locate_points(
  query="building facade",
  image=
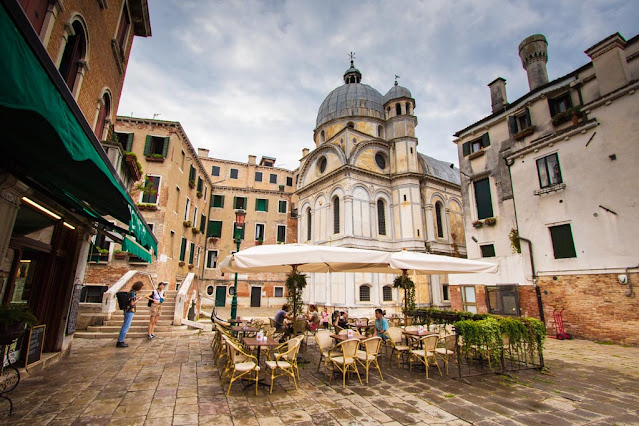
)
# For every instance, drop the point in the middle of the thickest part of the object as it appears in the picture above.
(366, 186)
(543, 193)
(266, 194)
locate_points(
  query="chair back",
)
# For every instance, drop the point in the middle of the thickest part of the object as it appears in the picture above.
(299, 326)
(343, 331)
(394, 334)
(338, 329)
(371, 345)
(363, 321)
(324, 341)
(430, 342)
(349, 348)
(394, 322)
(411, 328)
(450, 341)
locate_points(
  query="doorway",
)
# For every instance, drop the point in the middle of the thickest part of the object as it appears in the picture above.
(256, 297)
(220, 296)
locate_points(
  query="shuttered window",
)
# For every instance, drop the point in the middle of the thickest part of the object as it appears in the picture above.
(273, 178)
(289, 181)
(200, 184)
(387, 293)
(281, 233)
(258, 176)
(381, 217)
(483, 199)
(191, 253)
(281, 208)
(192, 174)
(218, 201)
(156, 146)
(126, 140)
(183, 250)
(238, 233)
(562, 242)
(215, 170)
(202, 223)
(261, 205)
(151, 189)
(364, 293)
(215, 228)
(476, 145)
(234, 173)
(239, 203)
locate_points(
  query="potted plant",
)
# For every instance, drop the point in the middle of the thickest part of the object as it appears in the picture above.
(490, 221)
(155, 157)
(199, 194)
(119, 254)
(13, 319)
(181, 263)
(191, 266)
(187, 223)
(213, 239)
(192, 183)
(195, 230)
(259, 242)
(478, 224)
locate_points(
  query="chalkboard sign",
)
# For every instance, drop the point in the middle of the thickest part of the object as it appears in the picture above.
(72, 319)
(34, 345)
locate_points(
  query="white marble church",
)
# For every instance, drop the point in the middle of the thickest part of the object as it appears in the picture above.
(366, 186)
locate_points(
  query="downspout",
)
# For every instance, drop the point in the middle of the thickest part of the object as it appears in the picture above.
(540, 305)
(630, 292)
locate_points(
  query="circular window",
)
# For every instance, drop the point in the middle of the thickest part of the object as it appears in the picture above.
(209, 290)
(380, 160)
(322, 164)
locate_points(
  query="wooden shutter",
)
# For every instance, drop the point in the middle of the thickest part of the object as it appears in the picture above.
(562, 242)
(234, 202)
(191, 253)
(199, 184)
(483, 199)
(265, 205)
(485, 140)
(202, 223)
(147, 145)
(512, 124)
(466, 149)
(129, 142)
(165, 149)
(192, 173)
(183, 249)
(222, 202)
(528, 117)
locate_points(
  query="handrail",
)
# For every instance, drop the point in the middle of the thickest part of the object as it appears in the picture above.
(109, 301)
(181, 298)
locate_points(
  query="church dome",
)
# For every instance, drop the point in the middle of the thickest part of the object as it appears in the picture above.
(397, 92)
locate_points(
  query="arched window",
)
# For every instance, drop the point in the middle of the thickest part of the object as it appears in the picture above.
(74, 52)
(350, 125)
(381, 217)
(103, 116)
(336, 215)
(387, 293)
(380, 131)
(322, 137)
(398, 109)
(407, 105)
(438, 214)
(364, 293)
(308, 225)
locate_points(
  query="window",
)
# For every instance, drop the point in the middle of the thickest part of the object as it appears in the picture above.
(476, 145)
(322, 137)
(261, 205)
(202, 224)
(215, 170)
(380, 131)
(503, 300)
(104, 116)
(387, 293)
(445, 293)
(560, 104)
(438, 218)
(364, 293)
(322, 164)
(258, 176)
(191, 253)
(381, 217)
(487, 250)
(215, 228)
(218, 201)
(335, 215)
(200, 183)
(239, 203)
(126, 140)
(234, 173)
(187, 209)
(350, 125)
(273, 178)
(123, 29)
(281, 233)
(282, 206)
(192, 174)
(194, 222)
(211, 259)
(259, 232)
(156, 146)
(183, 250)
(308, 225)
(151, 189)
(483, 198)
(398, 109)
(548, 171)
(278, 291)
(519, 122)
(469, 303)
(289, 181)
(74, 53)
(562, 242)
(380, 160)
(182, 161)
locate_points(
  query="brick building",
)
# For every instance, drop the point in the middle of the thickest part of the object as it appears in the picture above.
(543, 195)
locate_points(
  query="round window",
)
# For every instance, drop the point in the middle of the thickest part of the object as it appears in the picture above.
(209, 290)
(380, 160)
(322, 164)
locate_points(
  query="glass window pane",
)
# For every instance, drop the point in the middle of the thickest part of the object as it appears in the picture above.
(543, 174)
(469, 294)
(472, 309)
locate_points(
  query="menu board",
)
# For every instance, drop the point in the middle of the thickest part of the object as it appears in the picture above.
(35, 339)
(72, 319)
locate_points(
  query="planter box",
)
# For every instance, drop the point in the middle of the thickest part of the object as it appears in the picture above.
(150, 207)
(187, 223)
(155, 159)
(181, 263)
(131, 162)
(195, 230)
(120, 255)
(478, 224)
(522, 134)
(199, 194)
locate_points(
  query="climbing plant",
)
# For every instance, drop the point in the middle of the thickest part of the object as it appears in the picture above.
(295, 284)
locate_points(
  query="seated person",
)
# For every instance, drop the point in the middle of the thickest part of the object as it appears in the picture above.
(313, 318)
(281, 319)
(381, 323)
(342, 320)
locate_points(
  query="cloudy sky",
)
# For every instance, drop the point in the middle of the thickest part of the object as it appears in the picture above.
(249, 77)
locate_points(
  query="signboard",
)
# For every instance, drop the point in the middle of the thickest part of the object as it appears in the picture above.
(72, 319)
(34, 342)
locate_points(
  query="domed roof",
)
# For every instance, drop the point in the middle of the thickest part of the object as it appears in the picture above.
(351, 99)
(397, 92)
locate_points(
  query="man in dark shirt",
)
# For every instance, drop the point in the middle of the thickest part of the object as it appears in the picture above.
(129, 311)
(280, 320)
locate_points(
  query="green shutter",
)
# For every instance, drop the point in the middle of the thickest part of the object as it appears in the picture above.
(222, 203)
(528, 116)
(265, 205)
(234, 202)
(512, 124)
(199, 184)
(147, 145)
(165, 149)
(257, 204)
(129, 142)
(485, 140)
(191, 253)
(483, 199)
(202, 223)
(215, 228)
(562, 243)
(183, 249)
(466, 149)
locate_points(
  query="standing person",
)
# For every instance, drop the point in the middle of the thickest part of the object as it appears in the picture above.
(155, 299)
(381, 323)
(325, 318)
(129, 311)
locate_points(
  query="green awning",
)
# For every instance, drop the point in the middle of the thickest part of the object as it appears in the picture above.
(46, 139)
(128, 244)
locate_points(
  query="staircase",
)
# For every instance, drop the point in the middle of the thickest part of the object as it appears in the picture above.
(140, 323)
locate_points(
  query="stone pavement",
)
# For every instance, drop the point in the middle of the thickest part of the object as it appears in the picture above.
(173, 381)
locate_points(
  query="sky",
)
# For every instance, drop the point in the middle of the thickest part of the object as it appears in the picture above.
(249, 77)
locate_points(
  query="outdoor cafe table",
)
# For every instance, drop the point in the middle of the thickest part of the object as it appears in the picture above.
(342, 337)
(236, 321)
(416, 333)
(362, 326)
(244, 329)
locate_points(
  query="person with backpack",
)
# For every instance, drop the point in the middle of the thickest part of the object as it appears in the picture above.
(155, 304)
(129, 311)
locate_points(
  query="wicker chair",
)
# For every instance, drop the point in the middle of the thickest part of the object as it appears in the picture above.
(346, 361)
(241, 364)
(448, 350)
(370, 354)
(285, 360)
(394, 338)
(325, 344)
(427, 354)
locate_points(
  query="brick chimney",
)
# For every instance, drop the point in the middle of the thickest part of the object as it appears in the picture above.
(202, 152)
(251, 159)
(498, 94)
(533, 52)
(609, 61)
(304, 152)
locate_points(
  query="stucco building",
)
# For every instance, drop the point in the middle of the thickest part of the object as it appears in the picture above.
(554, 168)
(365, 185)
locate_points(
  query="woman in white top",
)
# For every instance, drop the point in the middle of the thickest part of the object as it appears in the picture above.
(155, 304)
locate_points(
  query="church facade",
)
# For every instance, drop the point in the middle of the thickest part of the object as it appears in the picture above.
(365, 185)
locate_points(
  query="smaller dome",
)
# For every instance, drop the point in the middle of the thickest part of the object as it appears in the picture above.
(397, 92)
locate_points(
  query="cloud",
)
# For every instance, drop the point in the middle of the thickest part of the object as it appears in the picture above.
(248, 77)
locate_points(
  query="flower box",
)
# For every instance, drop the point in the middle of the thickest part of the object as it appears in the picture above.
(191, 266)
(213, 239)
(195, 230)
(522, 134)
(150, 207)
(199, 194)
(120, 255)
(191, 184)
(490, 221)
(573, 114)
(478, 224)
(132, 164)
(181, 263)
(187, 223)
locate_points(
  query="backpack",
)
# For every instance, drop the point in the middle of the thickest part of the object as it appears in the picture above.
(123, 299)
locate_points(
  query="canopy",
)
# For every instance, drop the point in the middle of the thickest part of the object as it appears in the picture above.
(309, 258)
(47, 140)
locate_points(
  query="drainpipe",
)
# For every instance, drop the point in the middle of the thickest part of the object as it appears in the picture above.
(631, 292)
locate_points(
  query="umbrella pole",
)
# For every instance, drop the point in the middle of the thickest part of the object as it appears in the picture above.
(404, 272)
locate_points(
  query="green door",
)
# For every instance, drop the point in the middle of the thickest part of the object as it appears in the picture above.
(220, 296)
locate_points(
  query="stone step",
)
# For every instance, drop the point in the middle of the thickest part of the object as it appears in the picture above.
(114, 335)
(134, 328)
(137, 321)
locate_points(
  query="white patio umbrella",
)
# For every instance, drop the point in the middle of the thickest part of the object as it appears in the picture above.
(426, 263)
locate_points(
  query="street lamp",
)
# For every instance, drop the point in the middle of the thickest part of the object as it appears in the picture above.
(240, 215)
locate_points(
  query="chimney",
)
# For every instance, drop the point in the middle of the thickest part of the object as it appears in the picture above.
(498, 94)
(533, 52)
(304, 152)
(202, 152)
(252, 159)
(609, 61)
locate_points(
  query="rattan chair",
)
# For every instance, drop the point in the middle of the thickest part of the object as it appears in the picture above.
(242, 363)
(394, 338)
(370, 354)
(426, 355)
(325, 344)
(448, 350)
(346, 361)
(285, 360)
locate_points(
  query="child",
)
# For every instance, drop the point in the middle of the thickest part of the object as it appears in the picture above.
(325, 318)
